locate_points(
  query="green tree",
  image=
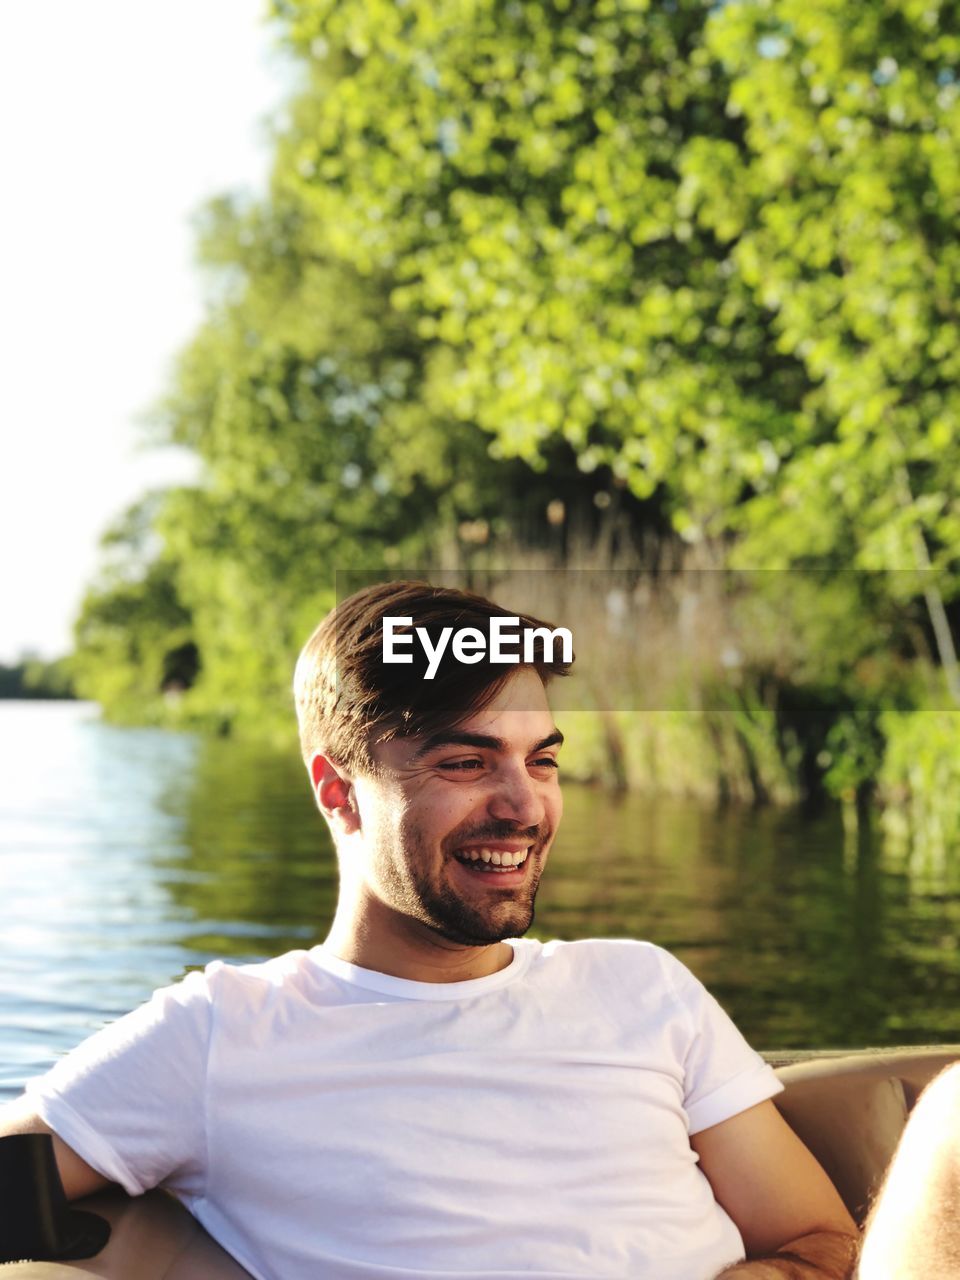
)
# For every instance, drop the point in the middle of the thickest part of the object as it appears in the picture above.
(840, 209)
(310, 404)
(712, 247)
(520, 170)
(134, 631)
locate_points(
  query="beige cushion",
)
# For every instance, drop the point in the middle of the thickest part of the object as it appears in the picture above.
(852, 1126)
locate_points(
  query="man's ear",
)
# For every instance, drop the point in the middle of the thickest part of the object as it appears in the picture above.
(335, 794)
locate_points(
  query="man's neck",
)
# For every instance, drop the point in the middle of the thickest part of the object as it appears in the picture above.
(407, 949)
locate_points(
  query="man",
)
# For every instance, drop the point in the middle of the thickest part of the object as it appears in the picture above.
(914, 1229)
(429, 1094)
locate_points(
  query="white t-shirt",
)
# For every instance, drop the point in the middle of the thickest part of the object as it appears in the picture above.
(326, 1122)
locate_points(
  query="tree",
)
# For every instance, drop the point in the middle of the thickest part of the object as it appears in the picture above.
(841, 211)
(709, 246)
(522, 172)
(134, 628)
(308, 402)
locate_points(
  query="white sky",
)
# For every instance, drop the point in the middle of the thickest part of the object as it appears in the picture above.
(118, 118)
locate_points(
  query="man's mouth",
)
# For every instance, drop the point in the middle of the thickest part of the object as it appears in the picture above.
(493, 861)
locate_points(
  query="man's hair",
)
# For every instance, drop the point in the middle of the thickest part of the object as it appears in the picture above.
(348, 699)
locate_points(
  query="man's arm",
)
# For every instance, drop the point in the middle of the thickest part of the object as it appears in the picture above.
(78, 1178)
(793, 1223)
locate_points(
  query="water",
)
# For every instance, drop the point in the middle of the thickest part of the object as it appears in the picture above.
(128, 856)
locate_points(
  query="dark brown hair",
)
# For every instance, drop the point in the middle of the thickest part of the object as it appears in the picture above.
(348, 699)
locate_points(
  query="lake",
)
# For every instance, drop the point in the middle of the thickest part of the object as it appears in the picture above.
(129, 856)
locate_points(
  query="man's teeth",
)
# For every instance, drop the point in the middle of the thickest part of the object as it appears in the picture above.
(495, 857)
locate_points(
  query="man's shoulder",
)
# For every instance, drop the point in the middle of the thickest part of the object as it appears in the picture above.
(634, 983)
(615, 948)
(221, 979)
(625, 957)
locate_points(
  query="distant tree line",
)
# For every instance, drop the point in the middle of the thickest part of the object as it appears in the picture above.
(36, 678)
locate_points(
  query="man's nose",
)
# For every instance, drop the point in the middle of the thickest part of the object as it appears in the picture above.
(516, 798)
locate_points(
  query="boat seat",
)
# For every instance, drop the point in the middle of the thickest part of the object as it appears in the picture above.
(849, 1108)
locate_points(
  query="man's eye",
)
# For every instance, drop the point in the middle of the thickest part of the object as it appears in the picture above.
(546, 761)
(461, 766)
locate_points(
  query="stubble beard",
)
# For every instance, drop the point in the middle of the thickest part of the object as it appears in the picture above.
(452, 917)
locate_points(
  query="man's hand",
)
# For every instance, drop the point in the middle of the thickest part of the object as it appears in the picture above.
(830, 1254)
(793, 1222)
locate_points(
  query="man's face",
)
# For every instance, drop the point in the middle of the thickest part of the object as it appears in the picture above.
(457, 826)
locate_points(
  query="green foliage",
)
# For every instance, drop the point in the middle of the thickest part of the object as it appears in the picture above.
(847, 193)
(920, 780)
(132, 624)
(826, 654)
(713, 248)
(521, 171)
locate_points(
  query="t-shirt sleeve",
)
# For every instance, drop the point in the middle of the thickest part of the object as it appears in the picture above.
(722, 1074)
(131, 1100)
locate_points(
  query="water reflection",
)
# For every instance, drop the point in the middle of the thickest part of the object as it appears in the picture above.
(130, 855)
(763, 906)
(256, 870)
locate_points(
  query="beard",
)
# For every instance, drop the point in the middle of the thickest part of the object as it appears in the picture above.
(430, 901)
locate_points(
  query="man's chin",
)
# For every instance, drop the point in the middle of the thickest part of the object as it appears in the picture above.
(468, 930)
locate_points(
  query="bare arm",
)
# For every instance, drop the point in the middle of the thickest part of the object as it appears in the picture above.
(78, 1178)
(793, 1223)
(913, 1232)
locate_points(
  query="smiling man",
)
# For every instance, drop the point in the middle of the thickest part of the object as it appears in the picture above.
(428, 1094)
(444, 869)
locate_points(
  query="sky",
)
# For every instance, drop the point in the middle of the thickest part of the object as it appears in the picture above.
(118, 119)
